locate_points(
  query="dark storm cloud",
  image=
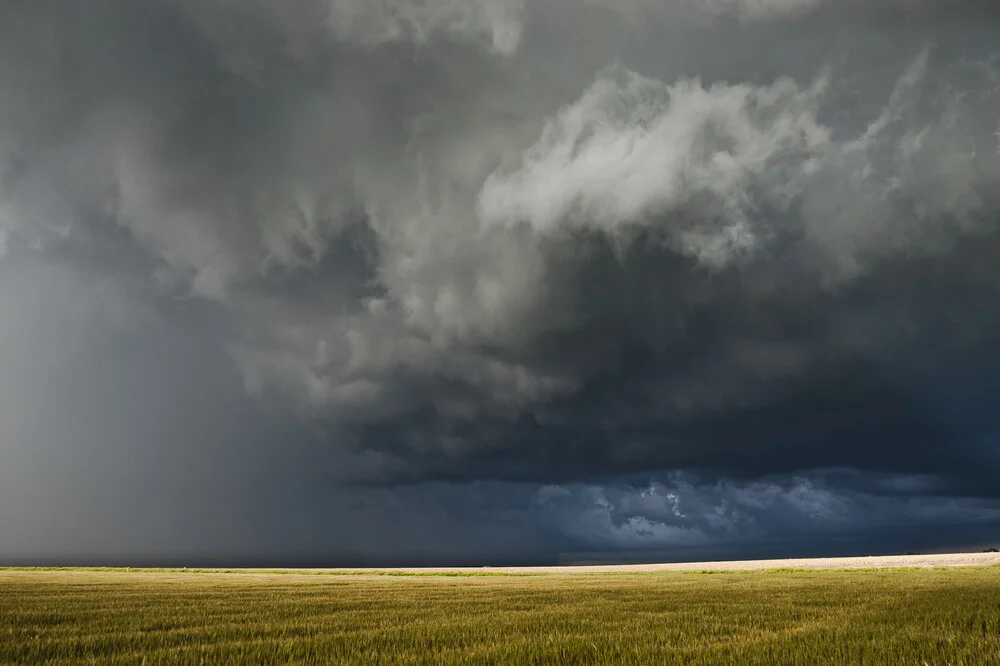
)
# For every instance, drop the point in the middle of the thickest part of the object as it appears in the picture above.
(352, 262)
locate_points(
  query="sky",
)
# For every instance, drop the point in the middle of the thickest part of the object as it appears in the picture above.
(343, 282)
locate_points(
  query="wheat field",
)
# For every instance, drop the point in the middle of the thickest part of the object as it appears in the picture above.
(900, 616)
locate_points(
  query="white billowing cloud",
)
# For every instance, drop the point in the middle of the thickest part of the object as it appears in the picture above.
(695, 164)
(375, 23)
(719, 172)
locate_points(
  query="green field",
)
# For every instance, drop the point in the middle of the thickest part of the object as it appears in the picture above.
(871, 617)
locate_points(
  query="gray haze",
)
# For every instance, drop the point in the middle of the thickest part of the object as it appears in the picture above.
(497, 280)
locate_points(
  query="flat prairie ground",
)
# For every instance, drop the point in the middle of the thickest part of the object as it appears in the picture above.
(878, 616)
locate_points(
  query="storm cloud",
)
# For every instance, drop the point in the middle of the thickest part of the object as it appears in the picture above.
(489, 280)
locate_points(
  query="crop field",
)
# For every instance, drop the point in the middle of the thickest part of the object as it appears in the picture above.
(898, 616)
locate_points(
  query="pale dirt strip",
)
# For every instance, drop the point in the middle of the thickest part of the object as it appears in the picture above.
(875, 562)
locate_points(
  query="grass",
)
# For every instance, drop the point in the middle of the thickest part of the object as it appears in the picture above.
(834, 617)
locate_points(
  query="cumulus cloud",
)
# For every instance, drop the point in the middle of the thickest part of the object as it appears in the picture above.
(453, 241)
(720, 173)
(634, 149)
